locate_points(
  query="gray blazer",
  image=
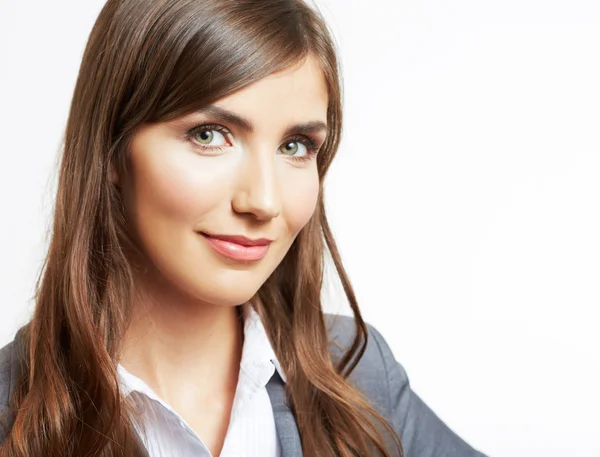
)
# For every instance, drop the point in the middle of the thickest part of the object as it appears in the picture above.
(378, 376)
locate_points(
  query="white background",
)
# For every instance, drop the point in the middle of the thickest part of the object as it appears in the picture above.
(465, 197)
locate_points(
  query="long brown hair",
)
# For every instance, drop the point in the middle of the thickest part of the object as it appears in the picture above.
(153, 61)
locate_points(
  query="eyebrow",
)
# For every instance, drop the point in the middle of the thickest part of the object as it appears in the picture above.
(245, 124)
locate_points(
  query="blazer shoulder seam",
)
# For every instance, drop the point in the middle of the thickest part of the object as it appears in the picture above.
(373, 332)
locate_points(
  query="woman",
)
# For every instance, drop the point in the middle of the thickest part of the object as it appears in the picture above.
(178, 311)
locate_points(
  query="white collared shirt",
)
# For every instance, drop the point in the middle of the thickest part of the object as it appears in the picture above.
(251, 431)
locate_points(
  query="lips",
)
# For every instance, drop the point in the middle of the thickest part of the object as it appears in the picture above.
(242, 240)
(237, 247)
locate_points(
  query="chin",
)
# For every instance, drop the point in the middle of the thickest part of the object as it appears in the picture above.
(226, 298)
(208, 278)
(219, 290)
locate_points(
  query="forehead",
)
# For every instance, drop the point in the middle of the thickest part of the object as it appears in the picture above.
(296, 94)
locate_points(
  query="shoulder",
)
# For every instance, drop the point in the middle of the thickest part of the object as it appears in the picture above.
(7, 372)
(384, 381)
(6, 364)
(372, 373)
(342, 331)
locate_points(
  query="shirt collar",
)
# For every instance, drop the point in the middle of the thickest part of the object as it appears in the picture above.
(257, 351)
(258, 361)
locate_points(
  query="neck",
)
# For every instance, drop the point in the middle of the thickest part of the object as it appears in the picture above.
(186, 351)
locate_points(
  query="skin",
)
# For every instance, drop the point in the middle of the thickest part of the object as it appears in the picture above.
(185, 340)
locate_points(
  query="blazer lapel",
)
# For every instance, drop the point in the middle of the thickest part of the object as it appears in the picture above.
(285, 421)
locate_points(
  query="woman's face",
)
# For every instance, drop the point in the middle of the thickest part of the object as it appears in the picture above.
(246, 167)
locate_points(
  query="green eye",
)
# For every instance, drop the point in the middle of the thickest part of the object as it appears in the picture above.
(208, 136)
(204, 137)
(207, 139)
(291, 148)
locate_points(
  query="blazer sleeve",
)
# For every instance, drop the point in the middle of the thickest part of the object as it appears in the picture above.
(422, 433)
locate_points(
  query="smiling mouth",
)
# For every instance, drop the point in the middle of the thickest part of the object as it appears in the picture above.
(237, 247)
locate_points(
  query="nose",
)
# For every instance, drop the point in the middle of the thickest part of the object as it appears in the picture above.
(258, 191)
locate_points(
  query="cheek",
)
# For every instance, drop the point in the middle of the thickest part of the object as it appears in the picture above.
(300, 197)
(174, 186)
(171, 194)
(174, 190)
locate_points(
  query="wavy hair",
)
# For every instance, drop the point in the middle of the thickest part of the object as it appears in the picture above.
(153, 61)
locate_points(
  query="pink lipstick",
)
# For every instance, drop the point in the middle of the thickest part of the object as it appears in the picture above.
(237, 247)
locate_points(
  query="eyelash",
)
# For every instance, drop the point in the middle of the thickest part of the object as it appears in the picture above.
(308, 142)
